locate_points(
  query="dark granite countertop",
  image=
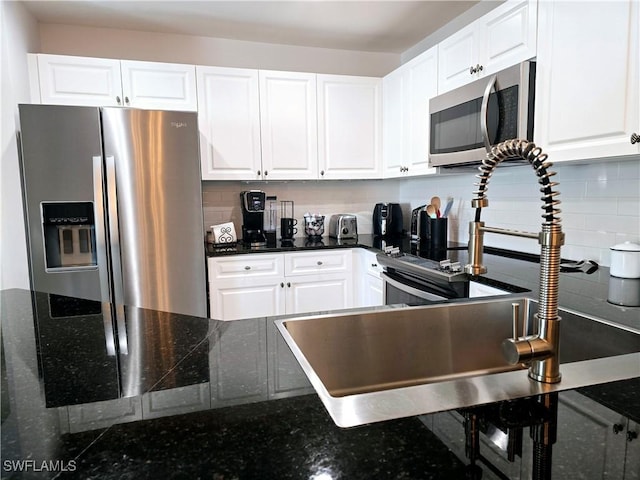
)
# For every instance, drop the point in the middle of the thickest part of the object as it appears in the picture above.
(157, 395)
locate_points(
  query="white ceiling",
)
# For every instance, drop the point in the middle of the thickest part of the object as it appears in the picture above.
(376, 26)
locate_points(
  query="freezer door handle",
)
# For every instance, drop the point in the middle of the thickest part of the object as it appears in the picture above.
(101, 237)
(114, 233)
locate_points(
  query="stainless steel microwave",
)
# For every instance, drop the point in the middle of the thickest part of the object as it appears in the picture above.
(467, 121)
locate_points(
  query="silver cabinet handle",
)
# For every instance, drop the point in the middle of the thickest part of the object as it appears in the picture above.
(319, 262)
(281, 284)
(247, 267)
(479, 68)
(635, 138)
(126, 100)
(266, 172)
(118, 100)
(472, 70)
(322, 172)
(258, 172)
(289, 284)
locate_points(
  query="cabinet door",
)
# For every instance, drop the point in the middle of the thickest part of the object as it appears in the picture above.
(288, 125)
(406, 95)
(229, 302)
(587, 101)
(373, 291)
(632, 460)
(238, 363)
(246, 286)
(286, 377)
(503, 37)
(587, 445)
(318, 293)
(176, 401)
(66, 80)
(159, 86)
(509, 35)
(229, 123)
(457, 55)
(349, 127)
(421, 85)
(392, 107)
(91, 416)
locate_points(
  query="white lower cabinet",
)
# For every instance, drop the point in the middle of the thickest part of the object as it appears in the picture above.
(370, 288)
(259, 285)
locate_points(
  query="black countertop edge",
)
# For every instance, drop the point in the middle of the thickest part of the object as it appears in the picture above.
(304, 244)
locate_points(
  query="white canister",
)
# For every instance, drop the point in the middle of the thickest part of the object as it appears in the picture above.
(625, 260)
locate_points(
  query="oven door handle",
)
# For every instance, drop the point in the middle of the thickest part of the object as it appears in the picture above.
(411, 290)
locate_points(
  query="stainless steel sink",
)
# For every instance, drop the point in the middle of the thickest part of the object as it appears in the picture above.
(452, 351)
(390, 349)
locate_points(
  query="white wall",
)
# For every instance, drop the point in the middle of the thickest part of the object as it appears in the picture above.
(160, 47)
(19, 34)
(600, 205)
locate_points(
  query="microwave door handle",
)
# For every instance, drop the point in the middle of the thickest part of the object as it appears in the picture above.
(484, 113)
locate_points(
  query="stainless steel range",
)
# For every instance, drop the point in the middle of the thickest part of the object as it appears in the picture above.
(413, 280)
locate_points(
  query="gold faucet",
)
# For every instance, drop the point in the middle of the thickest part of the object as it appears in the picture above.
(541, 350)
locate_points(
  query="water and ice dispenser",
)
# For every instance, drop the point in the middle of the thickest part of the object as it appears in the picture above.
(69, 235)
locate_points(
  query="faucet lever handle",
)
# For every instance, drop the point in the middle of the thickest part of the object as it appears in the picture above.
(515, 316)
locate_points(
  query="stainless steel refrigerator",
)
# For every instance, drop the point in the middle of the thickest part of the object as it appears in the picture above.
(113, 205)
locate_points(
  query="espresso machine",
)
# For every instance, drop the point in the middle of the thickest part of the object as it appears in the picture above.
(253, 203)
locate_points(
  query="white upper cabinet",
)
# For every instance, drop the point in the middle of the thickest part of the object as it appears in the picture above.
(288, 125)
(587, 99)
(406, 94)
(65, 80)
(103, 82)
(503, 37)
(229, 123)
(161, 86)
(349, 127)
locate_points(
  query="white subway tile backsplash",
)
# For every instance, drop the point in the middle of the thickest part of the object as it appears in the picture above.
(600, 203)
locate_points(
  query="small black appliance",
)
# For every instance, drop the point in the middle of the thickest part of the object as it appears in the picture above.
(253, 203)
(387, 220)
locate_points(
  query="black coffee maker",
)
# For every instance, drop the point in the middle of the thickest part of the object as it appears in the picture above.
(253, 203)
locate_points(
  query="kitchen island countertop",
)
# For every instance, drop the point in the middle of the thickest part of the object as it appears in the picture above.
(211, 399)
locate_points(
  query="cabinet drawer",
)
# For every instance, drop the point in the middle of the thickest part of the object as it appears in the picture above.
(246, 266)
(318, 261)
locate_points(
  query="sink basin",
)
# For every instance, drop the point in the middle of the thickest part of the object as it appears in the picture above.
(390, 349)
(456, 345)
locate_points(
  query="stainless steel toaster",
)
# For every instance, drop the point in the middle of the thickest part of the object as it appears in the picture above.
(343, 226)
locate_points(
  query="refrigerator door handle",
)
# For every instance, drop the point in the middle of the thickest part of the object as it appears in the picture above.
(100, 223)
(114, 233)
(116, 257)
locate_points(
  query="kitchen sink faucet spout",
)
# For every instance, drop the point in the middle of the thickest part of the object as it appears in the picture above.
(540, 351)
